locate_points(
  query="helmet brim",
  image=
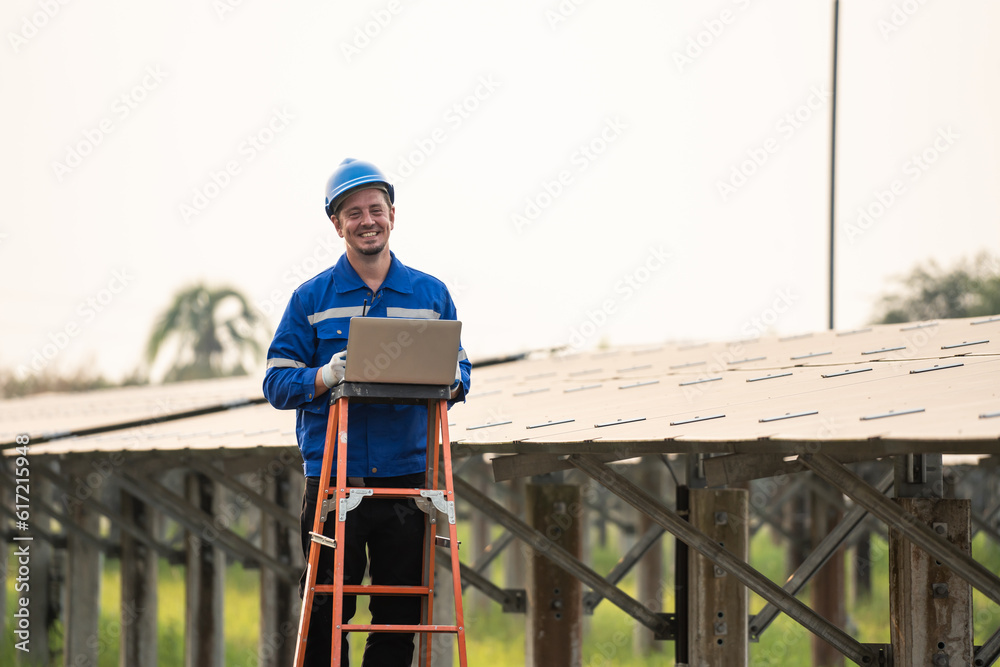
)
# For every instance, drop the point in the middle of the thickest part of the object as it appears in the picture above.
(334, 206)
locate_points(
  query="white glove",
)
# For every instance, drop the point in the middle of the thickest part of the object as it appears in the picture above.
(333, 372)
(458, 374)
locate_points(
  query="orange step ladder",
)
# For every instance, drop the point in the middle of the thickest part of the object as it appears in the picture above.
(334, 502)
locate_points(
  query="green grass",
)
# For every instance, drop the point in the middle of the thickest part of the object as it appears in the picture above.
(497, 639)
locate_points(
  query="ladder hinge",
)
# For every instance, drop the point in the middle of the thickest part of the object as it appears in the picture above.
(436, 497)
(353, 499)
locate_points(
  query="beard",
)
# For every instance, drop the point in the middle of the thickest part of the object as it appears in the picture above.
(373, 250)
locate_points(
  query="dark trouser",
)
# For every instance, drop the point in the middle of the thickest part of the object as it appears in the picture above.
(393, 531)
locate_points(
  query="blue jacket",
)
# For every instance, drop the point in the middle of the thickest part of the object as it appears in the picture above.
(385, 440)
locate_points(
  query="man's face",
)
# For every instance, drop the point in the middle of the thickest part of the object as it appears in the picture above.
(365, 220)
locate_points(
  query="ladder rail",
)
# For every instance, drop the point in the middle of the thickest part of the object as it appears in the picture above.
(313, 563)
(453, 534)
(438, 453)
(338, 560)
(427, 617)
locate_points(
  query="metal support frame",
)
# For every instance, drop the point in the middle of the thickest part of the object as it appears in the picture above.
(919, 476)
(156, 495)
(69, 525)
(696, 471)
(921, 535)
(988, 653)
(511, 600)
(979, 524)
(824, 493)
(815, 560)
(988, 516)
(125, 524)
(746, 574)
(490, 553)
(592, 598)
(536, 540)
(281, 514)
(773, 506)
(56, 540)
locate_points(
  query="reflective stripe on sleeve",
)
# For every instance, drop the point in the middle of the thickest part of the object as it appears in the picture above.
(347, 311)
(413, 313)
(284, 363)
(462, 356)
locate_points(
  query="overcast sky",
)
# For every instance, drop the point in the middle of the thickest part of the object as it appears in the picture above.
(577, 172)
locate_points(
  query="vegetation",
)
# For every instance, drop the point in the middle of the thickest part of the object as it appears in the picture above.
(495, 638)
(13, 385)
(929, 292)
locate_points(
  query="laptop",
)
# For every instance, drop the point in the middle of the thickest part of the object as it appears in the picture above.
(402, 351)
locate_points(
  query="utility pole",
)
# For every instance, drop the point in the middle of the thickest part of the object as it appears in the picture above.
(833, 153)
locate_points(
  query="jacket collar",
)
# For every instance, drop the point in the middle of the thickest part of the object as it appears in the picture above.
(346, 279)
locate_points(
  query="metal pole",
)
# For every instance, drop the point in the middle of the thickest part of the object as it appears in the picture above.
(833, 150)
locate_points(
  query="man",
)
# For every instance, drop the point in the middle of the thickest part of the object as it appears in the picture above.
(387, 442)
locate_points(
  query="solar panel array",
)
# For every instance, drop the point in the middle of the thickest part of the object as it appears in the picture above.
(931, 382)
(927, 381)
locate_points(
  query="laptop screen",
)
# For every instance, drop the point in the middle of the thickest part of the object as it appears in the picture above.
(402, 351)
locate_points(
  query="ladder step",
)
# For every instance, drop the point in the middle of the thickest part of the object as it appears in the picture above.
(385, 492)
(374, 590)
(402, 628)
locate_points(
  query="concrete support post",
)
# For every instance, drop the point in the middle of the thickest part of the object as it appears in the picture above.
(555, 598)
(862, 570)
(139, 576)
(42, 592)
(7, 574)
(276, 644)
(205, 579)
(650, 585)
(480, 540)
(717, 603)
(796, 524)
(83, 589)
(515, 563)
(930, 605)
(828, 585)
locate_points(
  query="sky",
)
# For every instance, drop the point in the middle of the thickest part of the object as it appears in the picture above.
(579, 172)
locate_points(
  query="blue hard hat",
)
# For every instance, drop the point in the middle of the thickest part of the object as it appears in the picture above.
(352, 175)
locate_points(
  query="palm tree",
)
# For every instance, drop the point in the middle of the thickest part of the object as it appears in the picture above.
(212, 330)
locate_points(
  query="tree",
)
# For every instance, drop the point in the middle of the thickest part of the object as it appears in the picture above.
(968, 290)
(212, 332)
